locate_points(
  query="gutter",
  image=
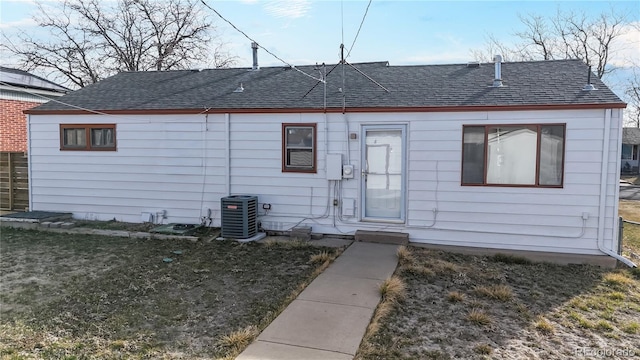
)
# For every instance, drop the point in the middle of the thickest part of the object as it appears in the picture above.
(318, 110)
(603, 192)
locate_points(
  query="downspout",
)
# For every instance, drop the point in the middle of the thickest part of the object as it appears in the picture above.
(29, 165)
(603, 191)
(227, 150)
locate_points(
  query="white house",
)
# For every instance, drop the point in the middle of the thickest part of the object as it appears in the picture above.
(514, 156)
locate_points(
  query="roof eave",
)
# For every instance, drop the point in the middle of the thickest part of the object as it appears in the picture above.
(330, 110)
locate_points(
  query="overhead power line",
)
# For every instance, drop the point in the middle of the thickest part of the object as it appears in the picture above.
(258, 44)
(359, 28)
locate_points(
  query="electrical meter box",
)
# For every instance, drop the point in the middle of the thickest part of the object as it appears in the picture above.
(334, 166)
(347, 171)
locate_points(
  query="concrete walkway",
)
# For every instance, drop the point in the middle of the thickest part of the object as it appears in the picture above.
(328, 319)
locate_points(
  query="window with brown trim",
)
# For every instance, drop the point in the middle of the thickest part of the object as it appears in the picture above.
(513, 155)
(299, 148)
(88, 137)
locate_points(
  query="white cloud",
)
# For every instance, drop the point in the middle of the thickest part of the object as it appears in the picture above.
(22, 23)
(291, 9)
(627, 47)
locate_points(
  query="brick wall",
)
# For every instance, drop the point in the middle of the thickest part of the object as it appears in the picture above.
(13, 125)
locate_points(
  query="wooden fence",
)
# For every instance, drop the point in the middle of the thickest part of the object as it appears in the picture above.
(14, 181)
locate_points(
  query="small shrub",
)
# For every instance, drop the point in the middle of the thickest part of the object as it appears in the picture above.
(393, 289)
(455, 296)
(544, 326)
(522, 309)
(418, 270)
(631, 328)
(616, 295)
(444, 267)
(405, 256)
(582, 322)
(499, 292)
(478, 317)
(510, 259)
(320, 257)
(239, 339)
(483, 349)
(604, 325)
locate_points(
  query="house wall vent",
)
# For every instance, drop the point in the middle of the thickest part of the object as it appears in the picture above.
(239, 216)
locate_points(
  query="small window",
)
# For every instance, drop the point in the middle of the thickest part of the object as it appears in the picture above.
(513, 155)
(94, 137)
(299, 148)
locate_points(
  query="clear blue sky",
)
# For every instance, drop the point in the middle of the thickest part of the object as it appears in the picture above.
(401, 32)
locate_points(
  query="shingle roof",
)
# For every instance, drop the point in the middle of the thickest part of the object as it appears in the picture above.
(631, 136)
(425, 86)
(23, 79)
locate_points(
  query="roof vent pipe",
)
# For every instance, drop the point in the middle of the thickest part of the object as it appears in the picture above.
(254, 46)
(497, 81)
(589, 85)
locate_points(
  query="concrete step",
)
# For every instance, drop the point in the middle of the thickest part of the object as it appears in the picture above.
(383, 237)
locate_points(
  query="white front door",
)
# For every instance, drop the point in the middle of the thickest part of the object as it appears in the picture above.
(384, 154)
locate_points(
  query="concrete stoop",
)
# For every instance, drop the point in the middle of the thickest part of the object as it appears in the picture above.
(382, 237)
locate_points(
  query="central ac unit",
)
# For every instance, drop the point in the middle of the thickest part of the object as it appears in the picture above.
(239, 216)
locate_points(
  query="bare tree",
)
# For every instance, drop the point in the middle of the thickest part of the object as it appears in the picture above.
(632, 93)
(89, 40)
(565, 35)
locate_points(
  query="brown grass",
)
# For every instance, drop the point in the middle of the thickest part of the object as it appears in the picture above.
(405, 256)
(455, 296)
(483, 349)
(498, 292)
(321, 257)
(393, 289)
(548, 312)
(618, 280)
(417, 270)
(543, 325)
(630, 210)
(239, 339)
(115, 297)
(478, 317)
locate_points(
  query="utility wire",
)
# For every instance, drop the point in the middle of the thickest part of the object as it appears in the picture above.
(359, 28)
(258, 44)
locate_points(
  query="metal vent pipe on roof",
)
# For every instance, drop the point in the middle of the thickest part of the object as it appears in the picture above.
(497, 81)
(589, 85)
(254, 46)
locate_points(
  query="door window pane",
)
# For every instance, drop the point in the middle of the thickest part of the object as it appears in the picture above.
(383, 181)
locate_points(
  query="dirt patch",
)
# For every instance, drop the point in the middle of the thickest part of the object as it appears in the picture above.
(84, 295)
(114, 225)
(502, 307)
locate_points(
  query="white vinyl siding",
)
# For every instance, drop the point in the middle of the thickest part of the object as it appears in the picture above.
(178, 163)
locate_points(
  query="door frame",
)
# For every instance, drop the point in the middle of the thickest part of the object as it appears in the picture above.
(402, 127)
